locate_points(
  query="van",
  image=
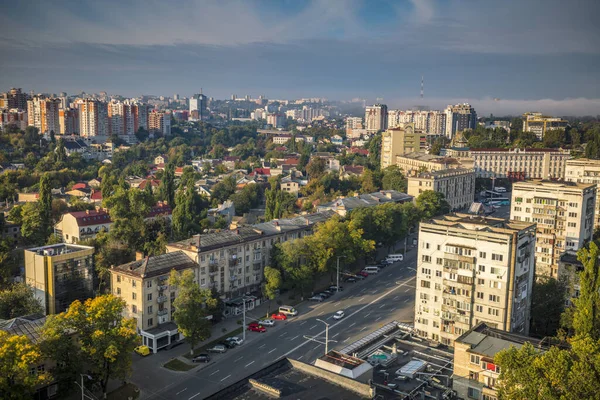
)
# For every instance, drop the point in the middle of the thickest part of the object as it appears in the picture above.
(395, 257)
(371, 270)
(288, 310)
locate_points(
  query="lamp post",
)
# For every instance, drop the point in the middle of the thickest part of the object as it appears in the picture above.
(83, 395)
(338, 273)
(326, 335)
(244, 318)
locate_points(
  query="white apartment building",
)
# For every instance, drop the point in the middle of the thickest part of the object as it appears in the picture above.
(585, 170)
(473, 269)
(93, 118)
(354, 123)
(564, 214)
(520, 164)
(120, 118)
(457, 185)
(43, 113)
(376, 118)
(432, 122)
(458, 118)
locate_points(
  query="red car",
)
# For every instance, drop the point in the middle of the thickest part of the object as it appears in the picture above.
(362, 273)
(280, 316)
(254, 327)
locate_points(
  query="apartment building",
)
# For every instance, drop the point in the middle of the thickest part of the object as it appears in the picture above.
(159, 122)
(400, 140)
(60, 274)
(93, 118)
(376, 118)
(457, 185)
(68, 120)
(473, 269)
(564, 214)
(539, 124)
(233, 261)
(420, 162)
(585, 170)
(140, 116)
(120, 118)
(43, 114)
(344, 205)
(458, 118)
(13, 117)
(520, 164)
(431, 122)
(475, 374)
(144, 286)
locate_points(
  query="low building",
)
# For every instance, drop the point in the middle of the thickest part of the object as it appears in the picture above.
(585, 170)
(345, 205)
(564, 214)
(290, 186)
(225, 210)
(475, 373)
(400, 140)
(539, 124)
(60, 274)
(349, 171)
(520, 164)
(143, 284)
(457, 185)
(421, 162)
(10, 230)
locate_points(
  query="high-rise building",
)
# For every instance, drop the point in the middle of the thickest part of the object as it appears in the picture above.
(376, 118)
(198, 107)
(459, 117)
(585, 170)
(276, 120)
(539, 124)
(16, 99)
(399, 141)
(69, 121)
(120, 118)
(93, 118)
(431, 122)
(139, 112)
(473, 269)
(159, 122)
(43, 114)
(13, 117)
(564, 214)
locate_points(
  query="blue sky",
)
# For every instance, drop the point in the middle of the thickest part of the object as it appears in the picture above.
(530, 54)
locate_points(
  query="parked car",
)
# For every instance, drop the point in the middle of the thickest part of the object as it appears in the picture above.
(235, 339)
(142, 350)
(219, 348)
(334, 288)
(201, 358)
(363, 274)
(255, 327)
(338, 315)
(324, 295)
(351, 279)
(317, 298)
(279, 316)
(267, 322)
(228, 344)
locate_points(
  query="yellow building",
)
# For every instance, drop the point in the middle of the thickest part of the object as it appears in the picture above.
(457, 185)
(399, 141)
(143, 284)
(539, 124)
(60, 274)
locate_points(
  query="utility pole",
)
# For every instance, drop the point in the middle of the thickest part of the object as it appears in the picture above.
(244, 317)
(338, 272)
(326, 335)
(405, 240)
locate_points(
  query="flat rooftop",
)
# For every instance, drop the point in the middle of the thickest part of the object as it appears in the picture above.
(58, 249)
(479, 223)
(539, 183)
(488, 341)
(444, 172)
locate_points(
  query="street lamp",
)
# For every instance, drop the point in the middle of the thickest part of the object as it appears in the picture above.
(83, 395)
(338, 272)
(326, 334)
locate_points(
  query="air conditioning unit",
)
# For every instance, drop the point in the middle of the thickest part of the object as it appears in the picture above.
(419, 313)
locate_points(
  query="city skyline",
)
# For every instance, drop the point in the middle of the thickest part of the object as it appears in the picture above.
(338, 50)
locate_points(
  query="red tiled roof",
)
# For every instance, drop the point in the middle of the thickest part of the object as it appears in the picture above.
(153, 182)
(358, 150)
(160, 209)
(261, 171)
(355, 169)
(231, 158)
(291, 161)
(96, 195)
(91, 217)
(79, 185)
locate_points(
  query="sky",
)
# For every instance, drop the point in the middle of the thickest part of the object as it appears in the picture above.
(503, 57)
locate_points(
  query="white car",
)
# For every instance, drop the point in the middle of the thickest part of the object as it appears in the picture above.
(338, 315)
(236, 340)
(267, 322)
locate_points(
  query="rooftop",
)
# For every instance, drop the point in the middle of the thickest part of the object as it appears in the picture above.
(444, 172)
(156, 265)
(367, 200)
(488, 341)
(58, 249)
(428, 158)
(479, 223)
(526, 150)
(28, 325)
(552, 184)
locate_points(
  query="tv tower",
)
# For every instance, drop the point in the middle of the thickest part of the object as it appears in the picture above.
(421, 87)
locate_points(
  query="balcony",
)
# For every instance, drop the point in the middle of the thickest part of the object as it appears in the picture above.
(161, 299)
(163, 278)
(164, 311)
(256, 268)
(458, 257)
(255, 261)
(162, 288)
(213, 261)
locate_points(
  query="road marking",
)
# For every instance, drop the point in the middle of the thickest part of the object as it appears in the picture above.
(321, 313)
(262, 346)
(299, 357)
(181, 391)
(395, 298)
(406, 300)
(412, 269)
(283, 334)
(345, 340)
(197, 394)
(250, 363)
(354, 323)
(381, 306)
(378, 318)
(388, 275)
(312, 327)
(374, 291)
(316, 347)
(303, 322)
(214, 372)
(225, 378)
(238, 359)
(349, 316)
(363, 289)
(363, 328)
(369, 313)
(407, 290)
(294, 338)
(273, 350)
(335, 335)
(361, 299)
(336, 303)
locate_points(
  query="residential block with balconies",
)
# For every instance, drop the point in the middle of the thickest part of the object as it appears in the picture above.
(585, 170)
(564, 214)
(473, 269)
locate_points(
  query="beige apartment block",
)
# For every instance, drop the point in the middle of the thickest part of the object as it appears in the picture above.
(520, 164)
(473, 269)
(144, 285)
(421, 162)
(60, 274)
(539, 124)
(585, 170)
(475, 374)
(457, 185)
(376, 118)
(398, 141)
(564, 214)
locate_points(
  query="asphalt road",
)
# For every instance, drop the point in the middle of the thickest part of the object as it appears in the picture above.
(368, 305)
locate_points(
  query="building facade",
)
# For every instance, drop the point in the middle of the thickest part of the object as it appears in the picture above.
(520, 164)
(458, 118)
(473, 269)
(431, 122)
(60, 274)
(585, 170)
(43, 114)
(457, 185)
(159, 122)
(376, 118)
(68, 120)
(93, 118)
(539, 124)
(400, 140)
(411, 163)
(13, 117)
(564, 214)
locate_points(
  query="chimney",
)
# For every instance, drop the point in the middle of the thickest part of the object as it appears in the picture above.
(138, 255)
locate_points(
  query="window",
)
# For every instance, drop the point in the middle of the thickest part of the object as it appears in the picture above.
(426, 284)
(494, 298)
(149, 296)
(475, 359)
(119, 291)
(134, 296)
(134, 309)
(133, 283)
(439, 247)
(149, 284)
(493, 311)
(479, 309)
(426, 271)
(480, 281)
(480, 295)
(473, 393)
(150, 321)
(497, 257)
(572, 224)
(495, 285)
(426, 258)
(482, 254)
(439, 261)
(118, 278)
(425, 245)
(203, 281)
(203, 270)
(474, 376)
(481, 268)
(149, 309)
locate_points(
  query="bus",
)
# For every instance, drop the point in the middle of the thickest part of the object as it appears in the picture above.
(490, 193)
(498, 201)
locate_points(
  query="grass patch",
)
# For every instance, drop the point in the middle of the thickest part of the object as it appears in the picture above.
(202, 349)
(178, 365)
(124, 392)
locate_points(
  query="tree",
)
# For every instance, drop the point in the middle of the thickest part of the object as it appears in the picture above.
(432, 203)
(295, 259)
(168, 184)
(105, 338)
(278, 204)
(547, 305)
(17, 356)
(223, 190)
(61, 154)
(247, 198)
(272, 284)
(32, 228)
(394, 179)
(192, 306)
(316, 167)
(45, 206)
(128, 209)
(187, 212)
(18, 300)
(368, 182)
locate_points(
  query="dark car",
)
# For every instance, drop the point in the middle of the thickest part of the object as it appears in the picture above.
(201, 358)
(334, 288)
(325, 294)
(228, 344)
(351, 279)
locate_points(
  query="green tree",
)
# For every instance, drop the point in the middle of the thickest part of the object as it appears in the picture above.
(61, 154)
(223, 190)
(128, 209)
(374, 146)
(247, 198)
(368, 182)
(32, 228)
(18, 300)
(17, 356)
(167, 185)
(45, 206)
(105, 337)
(432, 203)
(297, 262)
(192, 306)
(272, 284)
(547, 305)
(316, 167)
(394, 179)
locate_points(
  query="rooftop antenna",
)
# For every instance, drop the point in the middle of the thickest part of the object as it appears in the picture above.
(421, 87)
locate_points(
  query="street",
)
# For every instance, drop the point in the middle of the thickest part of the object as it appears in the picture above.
(368, 304)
